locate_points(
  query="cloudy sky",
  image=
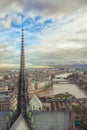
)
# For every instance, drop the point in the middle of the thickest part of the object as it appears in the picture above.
(55, 32)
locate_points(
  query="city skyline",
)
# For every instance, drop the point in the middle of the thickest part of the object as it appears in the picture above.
(55, 32)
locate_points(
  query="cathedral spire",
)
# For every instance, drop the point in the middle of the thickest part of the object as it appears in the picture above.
(21, 82)
(22, 66)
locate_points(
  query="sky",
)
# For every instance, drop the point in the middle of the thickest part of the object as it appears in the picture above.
(55, 32)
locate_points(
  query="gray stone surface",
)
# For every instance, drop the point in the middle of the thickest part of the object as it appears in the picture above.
(51, 120)
(20, 124)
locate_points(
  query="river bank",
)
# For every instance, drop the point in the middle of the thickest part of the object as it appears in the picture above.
(62, 88)
(80, 81)
(39, 92)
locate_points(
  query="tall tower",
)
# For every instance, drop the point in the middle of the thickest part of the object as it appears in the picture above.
(21, 106)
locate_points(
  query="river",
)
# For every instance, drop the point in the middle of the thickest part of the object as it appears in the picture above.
(64, 86)
(68, 87)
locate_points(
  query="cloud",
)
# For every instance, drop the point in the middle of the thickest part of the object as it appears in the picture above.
(43, 56)
(53, 7)
(7, 54)
(55, 31)
(67, 44)
(42, 6)
(33, 8)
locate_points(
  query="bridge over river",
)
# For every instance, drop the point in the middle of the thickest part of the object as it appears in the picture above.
(61, 79)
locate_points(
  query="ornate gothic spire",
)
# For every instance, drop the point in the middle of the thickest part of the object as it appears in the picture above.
(21, 83)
